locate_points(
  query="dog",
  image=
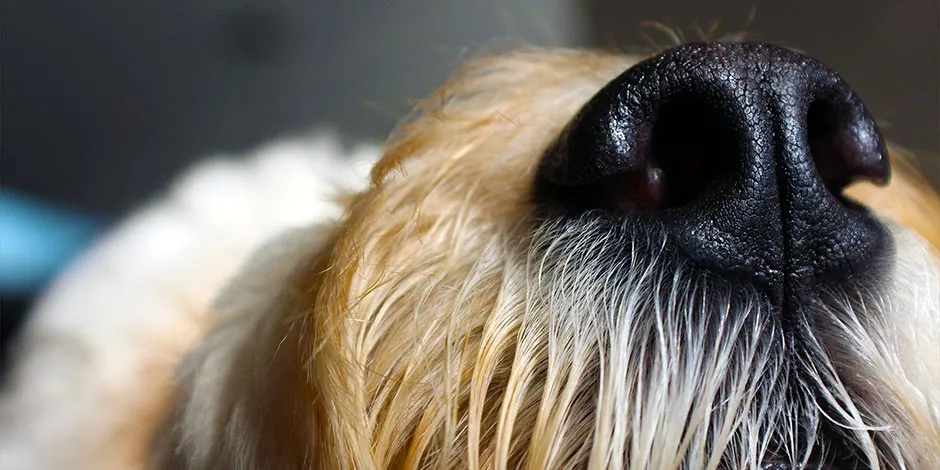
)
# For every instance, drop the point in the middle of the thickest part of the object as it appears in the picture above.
(703, 258)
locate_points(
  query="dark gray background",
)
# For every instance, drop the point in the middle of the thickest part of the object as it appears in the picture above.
(102, 102)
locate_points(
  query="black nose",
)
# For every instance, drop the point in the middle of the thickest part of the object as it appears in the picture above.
(740, 152)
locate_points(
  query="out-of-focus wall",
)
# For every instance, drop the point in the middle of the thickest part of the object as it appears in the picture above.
(104, 101)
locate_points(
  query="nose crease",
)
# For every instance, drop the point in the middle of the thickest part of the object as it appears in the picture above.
(750, 145)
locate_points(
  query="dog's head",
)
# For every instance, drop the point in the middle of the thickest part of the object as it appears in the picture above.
(583, 260)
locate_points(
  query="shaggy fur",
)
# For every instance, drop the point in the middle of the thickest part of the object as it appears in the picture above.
(438, 325)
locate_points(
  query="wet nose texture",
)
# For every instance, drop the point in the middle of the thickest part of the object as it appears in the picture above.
(740, 152)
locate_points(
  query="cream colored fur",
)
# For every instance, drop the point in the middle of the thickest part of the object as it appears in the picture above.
(96, 360)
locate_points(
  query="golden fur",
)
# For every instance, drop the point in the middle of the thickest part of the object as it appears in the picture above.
(429, 329)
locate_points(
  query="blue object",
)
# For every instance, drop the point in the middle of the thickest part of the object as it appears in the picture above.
(37, 240)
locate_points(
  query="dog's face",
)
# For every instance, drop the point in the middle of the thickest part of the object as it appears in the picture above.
(571, 260)
(562, 264)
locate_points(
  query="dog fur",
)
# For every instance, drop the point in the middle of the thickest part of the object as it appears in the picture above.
(416, 319)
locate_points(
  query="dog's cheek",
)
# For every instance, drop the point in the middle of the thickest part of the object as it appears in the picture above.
(242, 399)
(909, 200)
(895, 371)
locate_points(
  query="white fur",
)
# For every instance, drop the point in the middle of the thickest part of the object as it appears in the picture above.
(140, 297)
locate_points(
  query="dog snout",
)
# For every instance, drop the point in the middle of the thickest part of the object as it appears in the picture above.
(739, 153)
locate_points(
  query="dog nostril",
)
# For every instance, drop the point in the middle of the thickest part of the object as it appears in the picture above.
(694, 148)
(666, 154)
(844, 143)
(738, 152)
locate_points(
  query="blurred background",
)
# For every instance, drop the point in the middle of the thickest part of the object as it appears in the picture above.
(103, 102)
